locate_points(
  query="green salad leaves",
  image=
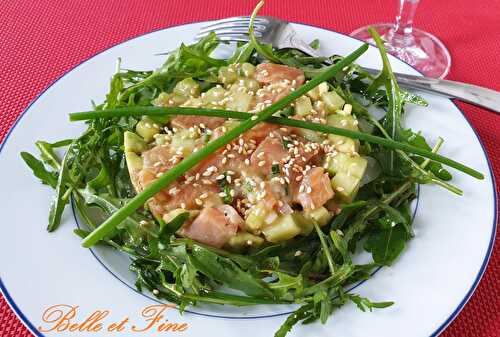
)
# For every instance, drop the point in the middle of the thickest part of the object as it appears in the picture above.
(311, 271)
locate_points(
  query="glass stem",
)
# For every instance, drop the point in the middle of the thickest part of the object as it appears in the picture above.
(401, 34)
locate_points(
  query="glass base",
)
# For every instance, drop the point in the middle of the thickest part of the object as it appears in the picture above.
(421, 50)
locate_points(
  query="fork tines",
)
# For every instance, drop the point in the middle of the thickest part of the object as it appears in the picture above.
(234, 28)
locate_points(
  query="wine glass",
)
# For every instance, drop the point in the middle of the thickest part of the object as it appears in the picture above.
(420, 49)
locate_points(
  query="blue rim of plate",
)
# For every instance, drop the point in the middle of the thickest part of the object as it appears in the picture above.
(450, 318)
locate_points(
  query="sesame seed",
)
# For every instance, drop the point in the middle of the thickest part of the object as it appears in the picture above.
(198, 202)
(340, 188)
(254, 118)
(301, 188)
(247, 162)
(183, 205)
(204, 195)
(308, 190)
(156, 292)
(261, 163)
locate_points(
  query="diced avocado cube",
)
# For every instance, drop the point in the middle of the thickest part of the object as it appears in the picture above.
(134, 161)
(342, 162)
(239, 101)
(187, 87)
(343, 122)
(316, 93)
(320, 215)
(147, 128)
(345, 186)
(332, 101)
(133, 143)
(284, 228)
(243, 240)
(303, 106)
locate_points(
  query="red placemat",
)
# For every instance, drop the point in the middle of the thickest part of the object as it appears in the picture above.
(41, 40)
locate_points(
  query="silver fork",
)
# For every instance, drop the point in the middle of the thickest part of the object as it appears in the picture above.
(281, 35)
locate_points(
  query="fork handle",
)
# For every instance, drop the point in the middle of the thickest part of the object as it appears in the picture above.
(484, 97)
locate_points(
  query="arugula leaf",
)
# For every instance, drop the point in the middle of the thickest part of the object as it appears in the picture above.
(227, 272)
(285, 284)
(363, 303)
(47, 177)
(62, 192)
(387, 244)
(392, 120)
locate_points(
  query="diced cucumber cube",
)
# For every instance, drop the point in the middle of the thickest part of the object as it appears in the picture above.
(184, 141)
(249, 83)
(345, 186)
(344, 144)
(147, 128)
(342, 162)
(255, 218)
(213, 95)
(187, 87)
(243, 240)
(227, 75)
(134, 161)
(284, 228)
(343, 122)
(133, 143)
(303, 106)
(247, 69)
(310, 135)
(320, 215)
(240, 101)
(316, 93)
(332, 101)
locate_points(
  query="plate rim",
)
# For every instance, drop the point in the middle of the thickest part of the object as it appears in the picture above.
(27, 323)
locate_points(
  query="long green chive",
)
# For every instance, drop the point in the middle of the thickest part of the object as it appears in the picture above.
(170, 176)
(387, 142)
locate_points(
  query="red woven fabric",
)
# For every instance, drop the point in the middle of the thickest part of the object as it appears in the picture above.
(41, 40)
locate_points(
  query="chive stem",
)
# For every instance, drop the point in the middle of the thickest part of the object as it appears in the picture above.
(387, 142)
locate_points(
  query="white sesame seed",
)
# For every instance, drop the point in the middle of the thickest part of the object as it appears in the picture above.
(261, 163)
(254, 118)
(198, 202)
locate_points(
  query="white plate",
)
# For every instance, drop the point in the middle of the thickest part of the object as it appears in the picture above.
(430, 282)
